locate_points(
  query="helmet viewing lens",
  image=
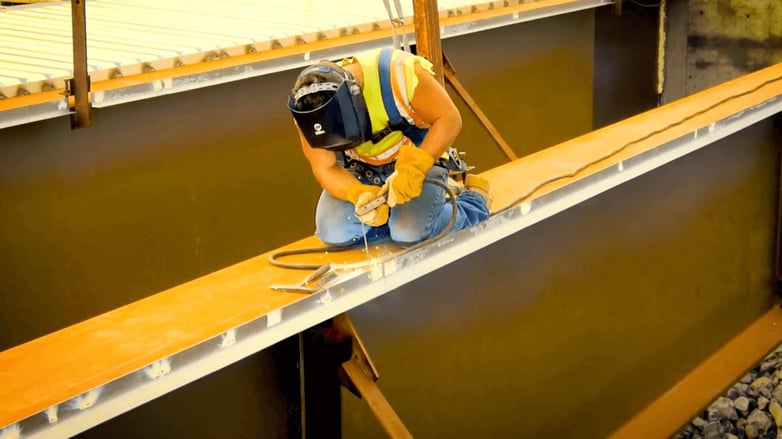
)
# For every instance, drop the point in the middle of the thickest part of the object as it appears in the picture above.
(340, 123)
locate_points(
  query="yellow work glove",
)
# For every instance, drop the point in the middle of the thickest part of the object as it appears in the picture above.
(406, 182)
(361, 194)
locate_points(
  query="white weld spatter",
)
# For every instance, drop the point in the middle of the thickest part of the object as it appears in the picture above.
(51, 414)
(158, 368)
(85, 400)
(11, 432)
(228, 339)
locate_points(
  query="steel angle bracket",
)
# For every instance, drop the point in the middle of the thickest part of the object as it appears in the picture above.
(79, 85)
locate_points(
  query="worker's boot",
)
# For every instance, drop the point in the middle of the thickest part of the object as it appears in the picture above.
(479, 185)
(458, 178)
(459, 183)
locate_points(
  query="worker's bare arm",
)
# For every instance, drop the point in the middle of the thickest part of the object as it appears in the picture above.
(432, 103)
(334, 179)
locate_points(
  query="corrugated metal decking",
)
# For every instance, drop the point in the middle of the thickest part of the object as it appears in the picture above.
(127, 38)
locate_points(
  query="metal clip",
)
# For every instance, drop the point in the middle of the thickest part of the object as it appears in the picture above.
(51, 414)
(323, 275)
(381, 199)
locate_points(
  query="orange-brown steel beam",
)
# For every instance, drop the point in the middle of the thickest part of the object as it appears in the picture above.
(426, 19)
(359, 376)
(378, 404)
(80, 84)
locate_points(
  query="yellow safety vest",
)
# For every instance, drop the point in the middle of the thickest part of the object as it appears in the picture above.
(403, 83)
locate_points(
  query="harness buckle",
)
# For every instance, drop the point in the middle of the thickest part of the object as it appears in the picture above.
(453, 162)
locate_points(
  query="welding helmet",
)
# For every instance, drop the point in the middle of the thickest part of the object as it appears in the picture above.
(342, 121)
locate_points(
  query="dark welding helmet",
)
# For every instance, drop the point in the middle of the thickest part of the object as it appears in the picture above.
(342, 122)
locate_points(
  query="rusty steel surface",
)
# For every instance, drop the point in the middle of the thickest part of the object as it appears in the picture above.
(427, 34)
(80, 83)
(373, 397)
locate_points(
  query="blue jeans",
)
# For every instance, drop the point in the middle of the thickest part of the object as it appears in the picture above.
(417, 220)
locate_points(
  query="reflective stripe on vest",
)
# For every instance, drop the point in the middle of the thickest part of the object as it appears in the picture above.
(403, 82)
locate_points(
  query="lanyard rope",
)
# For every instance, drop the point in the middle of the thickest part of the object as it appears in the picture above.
(398, 22)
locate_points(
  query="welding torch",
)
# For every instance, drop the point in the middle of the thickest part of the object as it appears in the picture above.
(380, 199)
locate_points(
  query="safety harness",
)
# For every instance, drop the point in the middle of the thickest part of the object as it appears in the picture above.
(396, 122)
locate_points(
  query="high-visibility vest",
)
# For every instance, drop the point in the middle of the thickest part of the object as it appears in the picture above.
(404, 126)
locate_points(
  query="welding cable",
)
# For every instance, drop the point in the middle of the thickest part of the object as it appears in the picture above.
(274, 257)
(581, 168)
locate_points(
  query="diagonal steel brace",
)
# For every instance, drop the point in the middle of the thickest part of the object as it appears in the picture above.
(360, 376)
(450, 77)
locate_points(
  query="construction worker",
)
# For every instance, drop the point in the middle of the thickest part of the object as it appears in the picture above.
(378, 124)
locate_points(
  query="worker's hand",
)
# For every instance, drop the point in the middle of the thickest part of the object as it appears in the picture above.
(406, 182)
(361, 194)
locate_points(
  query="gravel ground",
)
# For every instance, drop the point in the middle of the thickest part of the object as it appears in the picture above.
(751, 409)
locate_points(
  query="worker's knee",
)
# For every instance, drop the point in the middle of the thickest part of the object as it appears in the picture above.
(332, 220)
(348, 233)
(406, 233)
(337, 225)
(334, 236)
(336, 229)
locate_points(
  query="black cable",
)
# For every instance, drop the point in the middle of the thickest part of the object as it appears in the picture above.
(633, 142)
(274, 257)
